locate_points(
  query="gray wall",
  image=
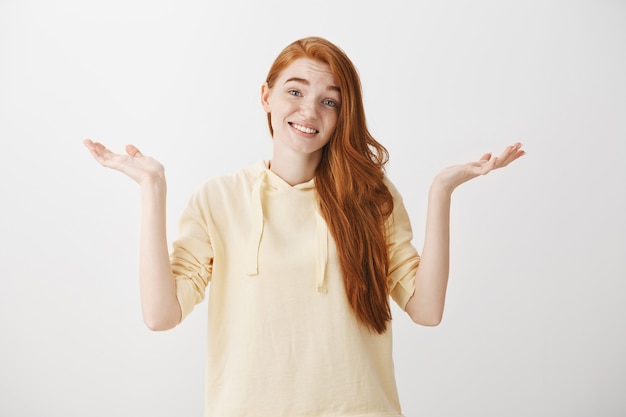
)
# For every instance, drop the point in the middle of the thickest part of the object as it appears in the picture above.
(534, 323)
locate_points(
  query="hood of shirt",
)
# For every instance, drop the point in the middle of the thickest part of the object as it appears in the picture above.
(263, 181)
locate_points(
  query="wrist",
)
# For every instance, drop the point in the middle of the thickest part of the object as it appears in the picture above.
(154, 184)
(441, 186)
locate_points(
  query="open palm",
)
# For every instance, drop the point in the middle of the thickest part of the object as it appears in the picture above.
(139, 167)
(456, 175)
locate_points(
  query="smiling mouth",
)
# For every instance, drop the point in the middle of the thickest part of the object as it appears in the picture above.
(303, 129)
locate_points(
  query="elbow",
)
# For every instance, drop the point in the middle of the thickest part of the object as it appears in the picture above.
(427, 321)
(430, 320)
(160, 322)
(425, 312)
(430, 317)
(158, 325)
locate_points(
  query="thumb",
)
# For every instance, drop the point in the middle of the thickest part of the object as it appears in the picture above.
(486, 157)
(133, 151)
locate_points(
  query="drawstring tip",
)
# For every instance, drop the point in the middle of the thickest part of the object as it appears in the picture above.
(253, 267)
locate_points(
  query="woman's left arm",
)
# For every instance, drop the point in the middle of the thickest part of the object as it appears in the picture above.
(431, 279)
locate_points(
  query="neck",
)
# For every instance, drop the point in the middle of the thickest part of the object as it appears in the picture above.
(295, 169)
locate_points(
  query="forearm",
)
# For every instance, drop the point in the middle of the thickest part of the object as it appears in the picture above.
(431, 279)
(159, 304)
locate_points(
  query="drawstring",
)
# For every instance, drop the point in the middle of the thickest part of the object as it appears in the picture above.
(257, 225)
(321, 236)
(322, 252)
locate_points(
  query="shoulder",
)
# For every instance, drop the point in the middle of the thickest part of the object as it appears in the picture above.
(231, 185)
(395, 193)
(243, 178)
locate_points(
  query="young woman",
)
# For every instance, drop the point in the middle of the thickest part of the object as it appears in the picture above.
(303, 252)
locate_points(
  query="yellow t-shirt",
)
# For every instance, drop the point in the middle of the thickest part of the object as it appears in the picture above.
(282, 338)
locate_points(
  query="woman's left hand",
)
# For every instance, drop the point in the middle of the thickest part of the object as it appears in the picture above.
(453, 176)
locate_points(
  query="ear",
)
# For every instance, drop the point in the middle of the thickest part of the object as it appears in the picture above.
(265, 95)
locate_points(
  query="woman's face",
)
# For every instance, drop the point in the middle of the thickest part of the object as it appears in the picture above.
(304, 106)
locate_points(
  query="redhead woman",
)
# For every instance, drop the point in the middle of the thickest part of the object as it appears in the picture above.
(303, 252)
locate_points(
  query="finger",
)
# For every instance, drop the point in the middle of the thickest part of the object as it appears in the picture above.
(486, 157)
(89, 144)
(502, 159)
(133, 151)
(95, 145)
(510, 154)
(96, 149)
(488, 165)
(493, 164)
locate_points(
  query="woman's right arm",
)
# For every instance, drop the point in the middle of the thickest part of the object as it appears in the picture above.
(159, 304)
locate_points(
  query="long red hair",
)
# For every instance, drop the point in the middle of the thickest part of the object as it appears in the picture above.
(353, 198)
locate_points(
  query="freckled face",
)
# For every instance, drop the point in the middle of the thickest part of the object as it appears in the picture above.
(303, 105)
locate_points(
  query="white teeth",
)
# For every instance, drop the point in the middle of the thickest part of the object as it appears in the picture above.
(303, 129)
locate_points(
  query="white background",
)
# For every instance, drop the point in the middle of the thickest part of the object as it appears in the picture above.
(534, 323)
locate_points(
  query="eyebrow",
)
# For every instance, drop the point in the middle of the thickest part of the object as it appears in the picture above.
(306, 82)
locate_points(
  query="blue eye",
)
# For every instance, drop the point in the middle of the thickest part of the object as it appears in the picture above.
(330, 103)
(294, 93)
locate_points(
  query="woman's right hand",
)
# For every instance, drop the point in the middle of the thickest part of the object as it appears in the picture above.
(143, 169)
(159, 303)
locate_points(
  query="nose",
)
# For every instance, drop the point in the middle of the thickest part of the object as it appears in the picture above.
(308, 108)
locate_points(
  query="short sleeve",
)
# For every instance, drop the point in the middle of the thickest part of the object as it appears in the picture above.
(403, 257)
(191, 256)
